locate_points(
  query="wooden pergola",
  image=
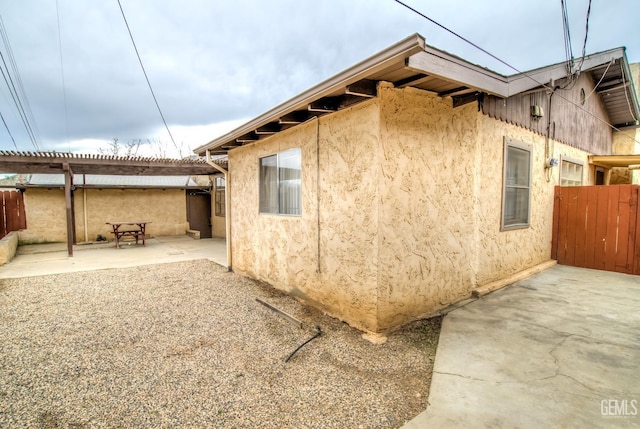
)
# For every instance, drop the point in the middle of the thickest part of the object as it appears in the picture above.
(69, 164)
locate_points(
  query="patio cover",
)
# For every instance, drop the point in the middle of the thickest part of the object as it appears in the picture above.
(70, 164)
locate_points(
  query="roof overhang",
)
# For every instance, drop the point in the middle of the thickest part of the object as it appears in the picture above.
(57, 163)
(610, 161)
(411, 62)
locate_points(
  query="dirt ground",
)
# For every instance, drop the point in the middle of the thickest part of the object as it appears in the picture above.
(187, 345)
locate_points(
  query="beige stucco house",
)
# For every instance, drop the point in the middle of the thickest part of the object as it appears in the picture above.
(399, 186)
(161, 200)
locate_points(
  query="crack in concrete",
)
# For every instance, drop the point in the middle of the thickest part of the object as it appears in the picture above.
(463, 376)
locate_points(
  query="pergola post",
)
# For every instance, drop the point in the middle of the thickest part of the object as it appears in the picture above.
(68, 184)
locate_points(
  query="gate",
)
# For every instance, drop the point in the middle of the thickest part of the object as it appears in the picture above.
(12, 217)
(199, 212)
(597, 227)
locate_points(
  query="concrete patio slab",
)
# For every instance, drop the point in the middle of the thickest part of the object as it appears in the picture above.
(560, 349)
(52, 258)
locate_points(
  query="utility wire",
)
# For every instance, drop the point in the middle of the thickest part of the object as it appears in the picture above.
(553, 90)
(568, 49)
(9, 131)
(32, 121)
(147, 77)
(16, 99)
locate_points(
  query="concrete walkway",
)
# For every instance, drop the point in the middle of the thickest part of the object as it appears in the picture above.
(558, 350)
(43, 259)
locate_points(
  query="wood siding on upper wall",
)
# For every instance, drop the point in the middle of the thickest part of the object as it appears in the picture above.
(569, 123)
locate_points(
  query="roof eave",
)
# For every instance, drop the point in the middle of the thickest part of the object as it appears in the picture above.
(411, 45)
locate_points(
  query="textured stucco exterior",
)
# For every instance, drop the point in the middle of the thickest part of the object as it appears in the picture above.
(46, 212)
(401, 209)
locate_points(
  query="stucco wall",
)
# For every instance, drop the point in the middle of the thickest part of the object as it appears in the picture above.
(405, 216)
(46, 213)
(426, 203)
(503, 253)
(338, 272)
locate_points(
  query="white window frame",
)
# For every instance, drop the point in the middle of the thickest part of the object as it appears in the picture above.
(516, 145)
(565, 180)
(279, 192)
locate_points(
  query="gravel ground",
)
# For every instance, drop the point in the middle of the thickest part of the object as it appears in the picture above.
(188, 345)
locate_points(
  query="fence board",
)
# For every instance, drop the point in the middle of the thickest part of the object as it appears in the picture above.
(613, 225)
(581, 226)
(622, 239)
(12, 214)
(572, 210)
(590, 229)
(597, 227)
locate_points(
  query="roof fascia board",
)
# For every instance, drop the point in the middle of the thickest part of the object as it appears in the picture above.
(609, 161)
(631, 89)
(542, 76)
(434, 62)
(399, 51)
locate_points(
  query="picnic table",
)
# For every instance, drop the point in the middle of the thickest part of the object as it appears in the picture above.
(134, 229)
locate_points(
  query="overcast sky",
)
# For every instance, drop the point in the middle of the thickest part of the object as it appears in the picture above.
(215, 64)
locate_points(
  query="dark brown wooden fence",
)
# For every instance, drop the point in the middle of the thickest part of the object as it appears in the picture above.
(597, 227)
(12, 216)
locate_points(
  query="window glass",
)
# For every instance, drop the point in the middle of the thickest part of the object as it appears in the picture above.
(280, 183)
(570, 173)
(289, 169)
(517, 183)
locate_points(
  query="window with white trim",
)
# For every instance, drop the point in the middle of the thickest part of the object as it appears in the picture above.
(571, 172)
(280, 183)
(516, 192)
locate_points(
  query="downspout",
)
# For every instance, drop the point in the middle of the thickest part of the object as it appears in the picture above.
(227, 206)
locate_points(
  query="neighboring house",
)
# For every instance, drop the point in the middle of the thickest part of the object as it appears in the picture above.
(173, 204)
(400, 185)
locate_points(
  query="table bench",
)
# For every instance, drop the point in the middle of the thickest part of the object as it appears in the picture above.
(134, 229)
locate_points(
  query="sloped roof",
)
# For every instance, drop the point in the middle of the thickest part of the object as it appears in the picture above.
(57, 162)
(110, 181)
(411, 62)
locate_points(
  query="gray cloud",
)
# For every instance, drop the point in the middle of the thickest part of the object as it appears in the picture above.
(217, 61)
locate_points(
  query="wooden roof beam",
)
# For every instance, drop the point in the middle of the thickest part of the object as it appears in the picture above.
(364, 88)
(231, 145)
(324, 105)
(411, 81)
(454, 91)
(294, 118)
(247, 138)
(269, 129)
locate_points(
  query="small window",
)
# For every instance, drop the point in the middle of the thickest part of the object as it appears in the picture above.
(220, 196)
(516, 194)
(570, 172)
(280, 183)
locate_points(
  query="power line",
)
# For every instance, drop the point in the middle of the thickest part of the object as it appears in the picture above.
(9, 81)
(147, 78)
(553, 90)
(16, 100)
(14, 65)
(9, 131)
(568, 49)
(586, 34)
